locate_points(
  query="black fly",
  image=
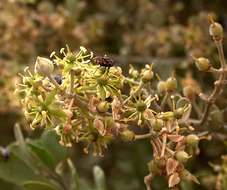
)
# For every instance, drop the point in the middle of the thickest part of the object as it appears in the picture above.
(104, 61)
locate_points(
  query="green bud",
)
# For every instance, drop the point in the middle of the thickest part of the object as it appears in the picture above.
(178, 113)
(182, 156)
(202, 63)
(169, 115)
(147, 76)
(171, 84)
(44, 66)
(103, 107)
(161, 87)
(128, 135)
(192, 140)
(141, 106)
(157, 124)
(133, 72)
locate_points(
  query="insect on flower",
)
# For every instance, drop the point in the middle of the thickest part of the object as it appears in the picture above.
(104, 61)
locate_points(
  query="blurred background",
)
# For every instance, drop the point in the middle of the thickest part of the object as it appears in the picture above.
(166, 32)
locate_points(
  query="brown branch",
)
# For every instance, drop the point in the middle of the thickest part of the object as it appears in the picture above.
(218, 86)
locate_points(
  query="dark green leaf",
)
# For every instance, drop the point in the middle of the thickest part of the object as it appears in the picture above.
(44, 155)
(38, 185)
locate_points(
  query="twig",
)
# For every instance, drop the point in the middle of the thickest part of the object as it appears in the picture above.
(218, 85)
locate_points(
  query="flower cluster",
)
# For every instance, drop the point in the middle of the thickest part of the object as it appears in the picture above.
(90, 101)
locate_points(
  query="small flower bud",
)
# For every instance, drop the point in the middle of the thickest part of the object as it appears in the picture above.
(169, 115)
(157, 124)
(189, 92)
(141, 106)
(192, 140)
(133, 72)
(147, 75)
(43, 66)
(161, 87)
(127, 135)
(103, 107)
(216, 31)
(178, 113)
(182, 156)
(171, 84)
(202, 63)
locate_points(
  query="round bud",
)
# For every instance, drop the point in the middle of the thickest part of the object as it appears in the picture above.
(127, 135)
(216, 119)
(203, 64)
(161, 87)
(103, 107)
(182, 156)
(157, 124)
(133, 72)
(44, 66)
(171, 84)
(178, 113)
(189, 92)
(147, 76)
(216, 31)
(141, 106)
(192, 140)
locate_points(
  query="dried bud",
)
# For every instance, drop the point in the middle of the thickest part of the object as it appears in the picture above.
(202, 63)
(161, 87)
(182, 156)
(192, 140)
(147, 75)
(103, 107)
(216, 31)
(43, 66)
(127, 135)
(171, 84)
(157, 124)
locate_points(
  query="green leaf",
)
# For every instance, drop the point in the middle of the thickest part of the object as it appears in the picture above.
(74, 179)
(38, 185)
(43, 154)
(15, 170)
(21, 147)
(50, 141)
(100, 181)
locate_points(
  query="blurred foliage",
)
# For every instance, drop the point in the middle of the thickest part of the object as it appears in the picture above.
(126, 29)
